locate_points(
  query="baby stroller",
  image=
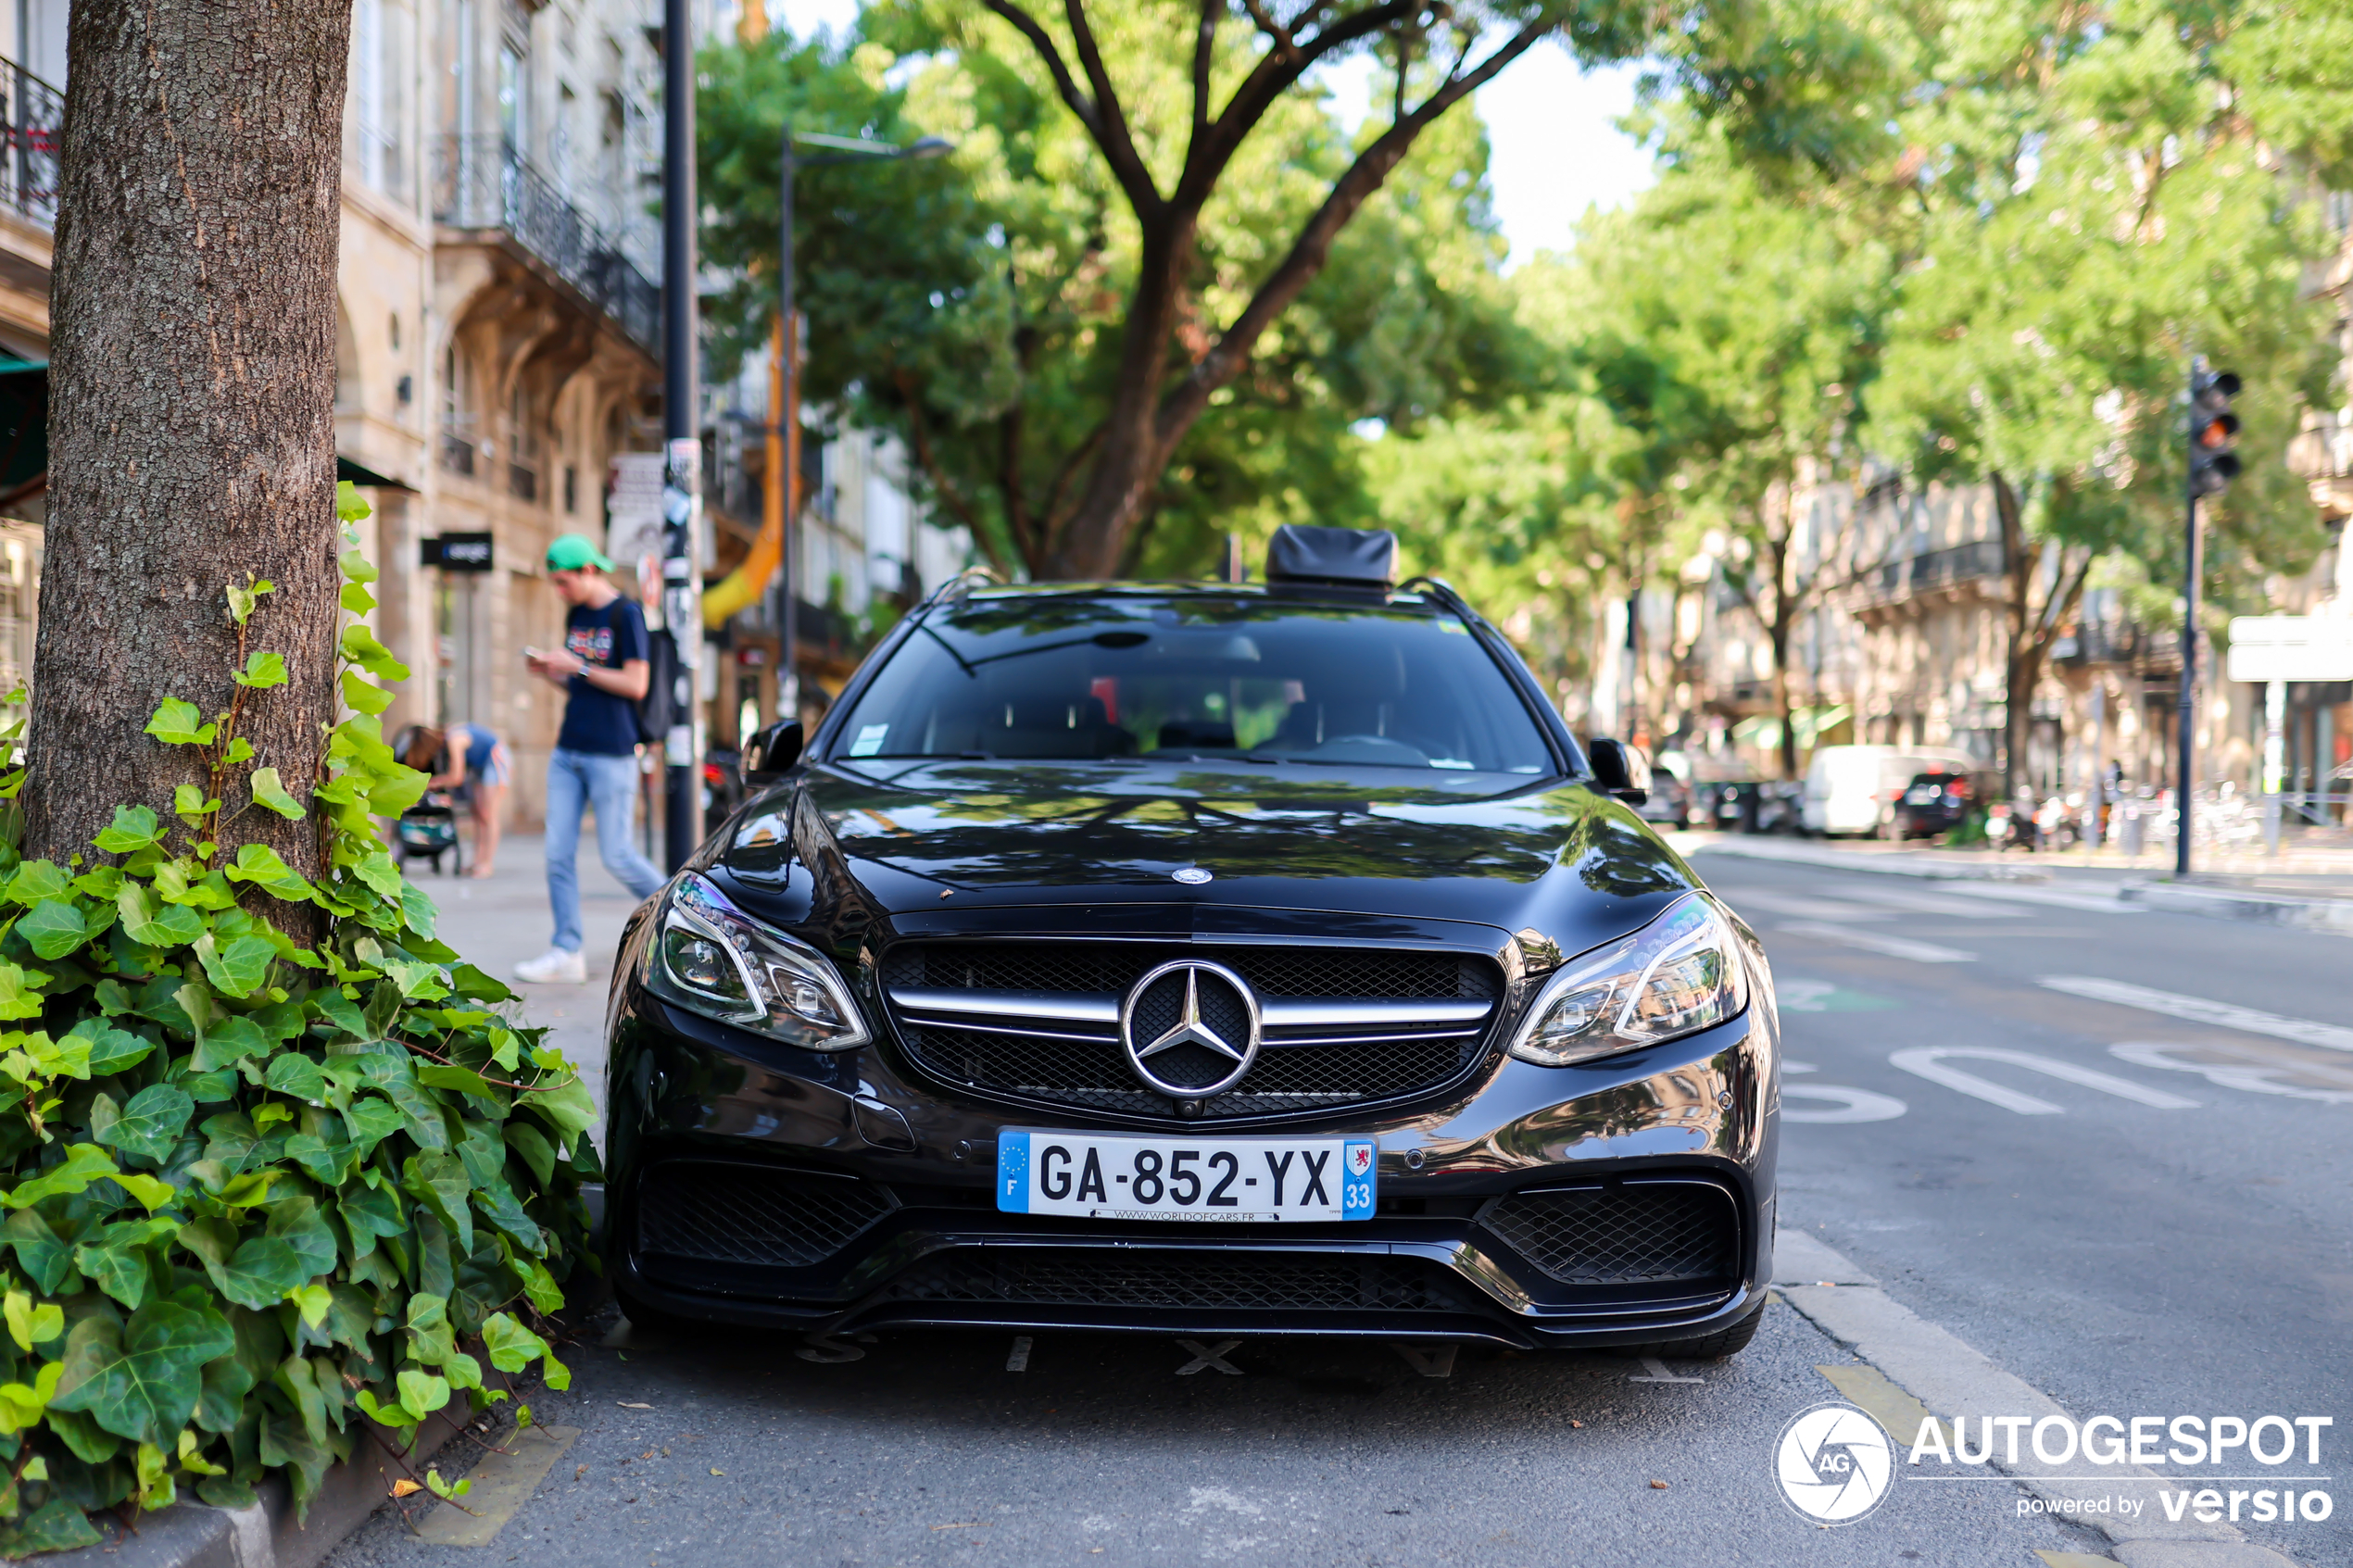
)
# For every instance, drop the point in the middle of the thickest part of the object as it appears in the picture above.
(428, 830)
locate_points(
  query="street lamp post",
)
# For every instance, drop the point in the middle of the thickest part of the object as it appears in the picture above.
(783, 433)
(682, 450)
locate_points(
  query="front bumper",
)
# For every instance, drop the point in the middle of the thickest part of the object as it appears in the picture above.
(1628, 1201)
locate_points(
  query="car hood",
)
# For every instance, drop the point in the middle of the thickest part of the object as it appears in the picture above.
(942, 845)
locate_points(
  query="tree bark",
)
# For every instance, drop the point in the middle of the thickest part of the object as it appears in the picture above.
(191, 412)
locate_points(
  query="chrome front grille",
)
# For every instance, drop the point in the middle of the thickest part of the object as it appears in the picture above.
(1342, 1026)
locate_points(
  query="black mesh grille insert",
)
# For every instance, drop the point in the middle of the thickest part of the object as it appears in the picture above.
(741, 1214)
(1634, 1234)
(1096, 1074)
(1284, 1078)
(1073, 1277)
(1114, 967)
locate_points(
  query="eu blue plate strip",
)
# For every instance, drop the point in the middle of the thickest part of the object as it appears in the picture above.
(1013, 1172)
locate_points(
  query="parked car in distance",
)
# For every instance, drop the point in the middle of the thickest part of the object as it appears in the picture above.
(1853, 789)
(1937, 801)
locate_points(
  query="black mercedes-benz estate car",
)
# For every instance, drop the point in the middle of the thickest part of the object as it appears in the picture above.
(1199, 960)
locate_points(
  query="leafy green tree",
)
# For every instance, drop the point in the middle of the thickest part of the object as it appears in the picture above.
(2096, 211)
(981, 305)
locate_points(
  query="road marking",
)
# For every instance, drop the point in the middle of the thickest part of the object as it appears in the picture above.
(503, 1482)
(2254, 1074)
(1658, 1373)
(1850, 1106)
(1893, 946)
(1207, 1356)
(2200, 1010)
(1800, 904)
(2057, 898)
(1430, 1361)
(1934, 904)
(1870, 1390)
(1800, 994)
(1019, 1359)
(1928, 1061)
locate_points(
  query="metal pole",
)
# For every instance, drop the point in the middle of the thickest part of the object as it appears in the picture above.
(2274, 760)
(2185, 713)
(788, 415)
(681, 472)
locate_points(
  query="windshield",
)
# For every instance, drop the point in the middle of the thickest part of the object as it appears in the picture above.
(1070, 678)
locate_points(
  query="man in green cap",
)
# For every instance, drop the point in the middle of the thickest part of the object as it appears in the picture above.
(603, 670)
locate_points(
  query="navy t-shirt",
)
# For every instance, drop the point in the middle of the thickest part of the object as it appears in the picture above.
(597, 722)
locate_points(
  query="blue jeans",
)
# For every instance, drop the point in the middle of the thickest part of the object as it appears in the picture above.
(609, 786)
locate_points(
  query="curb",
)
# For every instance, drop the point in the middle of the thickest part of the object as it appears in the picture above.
(265, 1534)
(2332, 916)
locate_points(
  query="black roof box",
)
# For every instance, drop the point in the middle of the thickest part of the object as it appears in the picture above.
(1340, 558)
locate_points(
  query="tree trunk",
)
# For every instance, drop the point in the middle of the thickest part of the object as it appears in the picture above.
(190, 411)
(2021, 665)
(1784, 622)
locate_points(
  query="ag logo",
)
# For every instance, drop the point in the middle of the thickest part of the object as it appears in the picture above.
(1359, 1159)
(1834, 1463)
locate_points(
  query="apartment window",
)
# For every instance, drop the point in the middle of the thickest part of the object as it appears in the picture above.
(376, 116)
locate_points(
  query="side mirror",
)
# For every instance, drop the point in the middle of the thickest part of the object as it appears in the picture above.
(769, 754)
(1620, 771)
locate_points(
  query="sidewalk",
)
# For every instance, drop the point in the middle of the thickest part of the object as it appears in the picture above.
(498, 923)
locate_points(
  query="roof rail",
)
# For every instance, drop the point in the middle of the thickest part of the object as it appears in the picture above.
(1444, 592)
(963, 583)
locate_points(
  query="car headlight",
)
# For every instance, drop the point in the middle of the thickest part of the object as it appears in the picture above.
(711, 958)
(1680, 973)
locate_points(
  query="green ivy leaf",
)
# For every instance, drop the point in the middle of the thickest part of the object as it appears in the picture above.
(150, 926)
(360, 647)
(269, 791)
(228, 1041)
(18, 997)
(190, 804)
(181, 723)
(238, 968)
(297, 1222)
(180, 882)
(83, 1163)
(364, 695)
(35, 881)
(120, 1271)
(262, 670)
(291, 1073)
(111, 1049)
(152, 1192)
(567, 1108)
(422, 1393)
(240, 750)
(150, 1125)
(475, 985)
(357, 599)
(379, 873)
(258, 864)
(55, 1525)
(30, 1324)
(371, 1120)
(439, 1181)
(53, 928)
(141, 1381)
(241, 600)
(256, 1271)
(465, 1080)
(47, 1262)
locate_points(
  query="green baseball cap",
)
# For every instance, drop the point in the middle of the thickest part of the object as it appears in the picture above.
(569, 552)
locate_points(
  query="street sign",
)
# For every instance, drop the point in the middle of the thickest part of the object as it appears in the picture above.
(2290, 647)
(459, 552)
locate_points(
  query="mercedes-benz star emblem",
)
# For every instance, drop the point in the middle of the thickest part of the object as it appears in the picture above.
(1191, 876)
(1191, 1029)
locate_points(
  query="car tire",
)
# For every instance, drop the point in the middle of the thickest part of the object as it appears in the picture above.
(1716, 1347)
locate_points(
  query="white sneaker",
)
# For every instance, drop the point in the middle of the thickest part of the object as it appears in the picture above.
(554, 967)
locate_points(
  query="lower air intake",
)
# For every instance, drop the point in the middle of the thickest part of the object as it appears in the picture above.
(1085, 1277)
(1634, 1233)
(723, 1213)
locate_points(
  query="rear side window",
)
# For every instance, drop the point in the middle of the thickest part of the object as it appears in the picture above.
(1096, 679)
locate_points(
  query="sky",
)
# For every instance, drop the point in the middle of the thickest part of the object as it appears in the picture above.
(1555, 150)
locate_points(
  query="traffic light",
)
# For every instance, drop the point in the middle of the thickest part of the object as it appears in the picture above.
(2213, 431)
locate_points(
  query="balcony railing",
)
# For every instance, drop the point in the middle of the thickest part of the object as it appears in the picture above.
(2324, 451)
(479, 183)
(31, 120)
(1910, 576)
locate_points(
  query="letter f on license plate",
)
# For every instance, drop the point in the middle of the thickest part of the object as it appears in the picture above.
(1258, 1180)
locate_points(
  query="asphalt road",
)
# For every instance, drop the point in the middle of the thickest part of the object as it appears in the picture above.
(2121, 1256)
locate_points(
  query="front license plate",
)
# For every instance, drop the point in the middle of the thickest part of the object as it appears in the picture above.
(1103, 1177)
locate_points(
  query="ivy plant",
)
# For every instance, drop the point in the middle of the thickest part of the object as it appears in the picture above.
(261, 1204)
